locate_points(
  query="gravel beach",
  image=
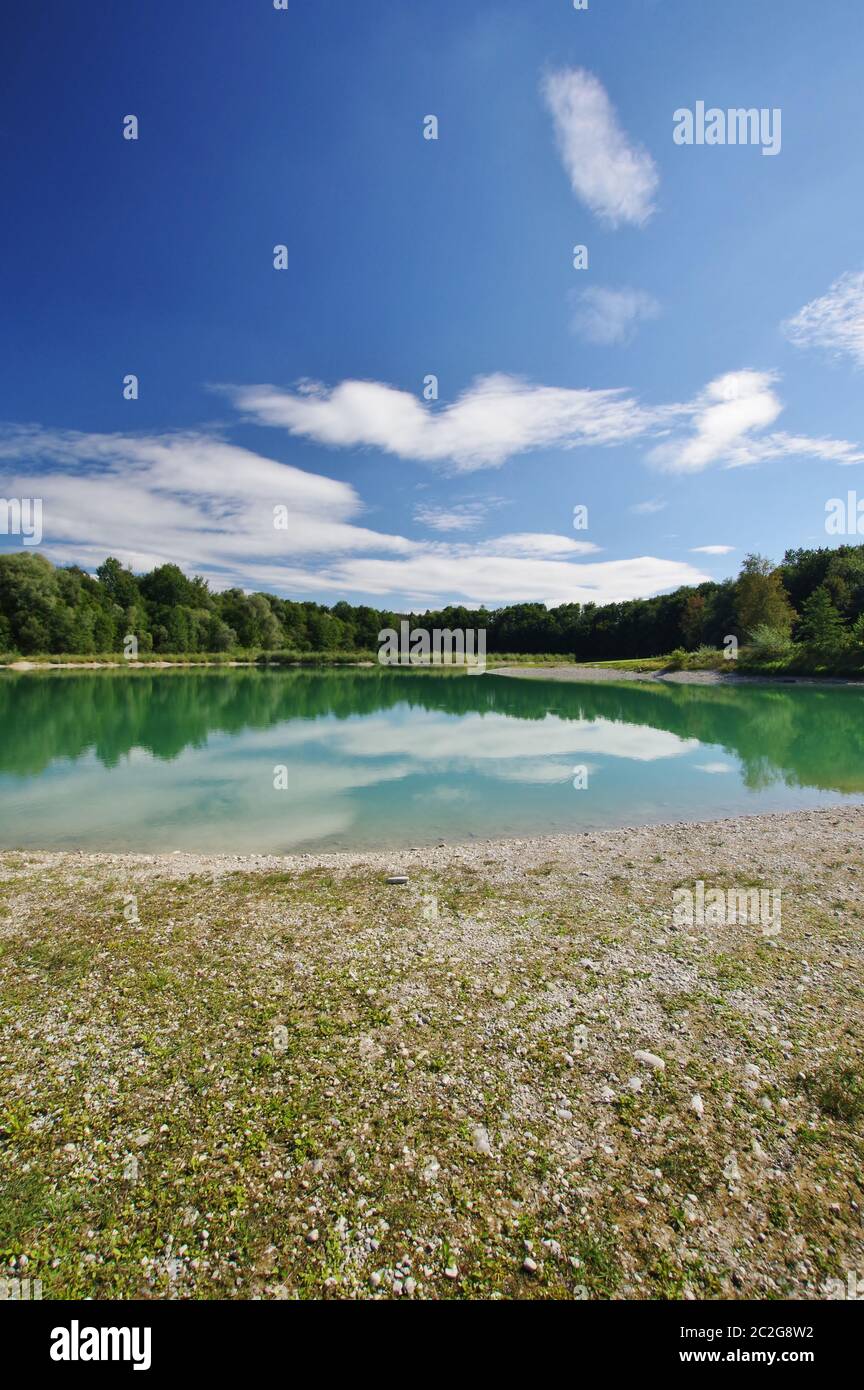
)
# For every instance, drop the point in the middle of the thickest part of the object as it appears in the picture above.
(611, 673)
(516, 1075)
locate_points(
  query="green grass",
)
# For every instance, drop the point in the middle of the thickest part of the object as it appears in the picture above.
(287, 1049)
(838, 1089)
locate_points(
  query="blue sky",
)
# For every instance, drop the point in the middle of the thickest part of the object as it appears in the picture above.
(699, 385)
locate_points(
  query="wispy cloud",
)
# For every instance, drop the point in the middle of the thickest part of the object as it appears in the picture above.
(727, 426)
(616, 179)
(835, 322)
(485, 578)
(528, 544)
(496, 418)
(609, 316)
(712, 549)
(459, 516)
(728, 411)
(202, 503)
(650, 507)
(500, 417)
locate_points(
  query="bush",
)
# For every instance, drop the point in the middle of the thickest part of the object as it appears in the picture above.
(679, 660)
(767, 643)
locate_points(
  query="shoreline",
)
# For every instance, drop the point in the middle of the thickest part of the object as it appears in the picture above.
(565, 673)
(513, 1077)
(606, 673)
(436, 857)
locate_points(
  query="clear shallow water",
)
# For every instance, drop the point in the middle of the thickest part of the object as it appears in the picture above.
(147, 762)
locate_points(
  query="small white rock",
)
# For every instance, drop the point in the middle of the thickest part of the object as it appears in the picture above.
(480, 1140)
(731, 1171)
(649, 1059)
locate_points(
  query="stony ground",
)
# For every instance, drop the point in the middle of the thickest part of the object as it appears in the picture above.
(512, 1077)
(592, 674)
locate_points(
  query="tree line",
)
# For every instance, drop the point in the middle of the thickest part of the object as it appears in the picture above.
(813, 600)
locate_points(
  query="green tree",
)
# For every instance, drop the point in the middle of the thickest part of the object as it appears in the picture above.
(760, 598)
(821, 627)
(693, 619)
(118, 583)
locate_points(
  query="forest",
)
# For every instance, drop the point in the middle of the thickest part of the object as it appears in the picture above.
(808, 608)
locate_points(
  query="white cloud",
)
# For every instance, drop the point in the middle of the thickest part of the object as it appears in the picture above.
(206, 505)
(499, 417)
(607, 316)
(649, 508)
(462, 516)
(430, 577)
(526, 544)
(496, 418)
(727, 423)
(190, 498)
(712, 549)
(834, 322)
(614, 178)
(728, 410)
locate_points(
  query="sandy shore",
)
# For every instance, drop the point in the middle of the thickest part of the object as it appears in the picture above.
(514, 1076)
(606, 673)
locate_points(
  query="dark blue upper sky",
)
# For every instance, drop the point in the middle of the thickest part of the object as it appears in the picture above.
(409, 257)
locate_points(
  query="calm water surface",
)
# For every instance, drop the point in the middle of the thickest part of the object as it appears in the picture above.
(149, 762)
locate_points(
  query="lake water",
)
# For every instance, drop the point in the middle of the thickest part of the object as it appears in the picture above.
(146, 762)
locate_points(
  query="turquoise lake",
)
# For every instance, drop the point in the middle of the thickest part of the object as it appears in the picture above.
(148, 762)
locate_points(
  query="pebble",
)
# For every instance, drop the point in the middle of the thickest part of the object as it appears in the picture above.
(731, 1171)
(697, 1105)
(398, 878)
(431, 1170)
(480, 1140)
(529, 1265)
(649, 1059)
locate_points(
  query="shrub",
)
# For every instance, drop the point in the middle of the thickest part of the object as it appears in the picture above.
(769, 643)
